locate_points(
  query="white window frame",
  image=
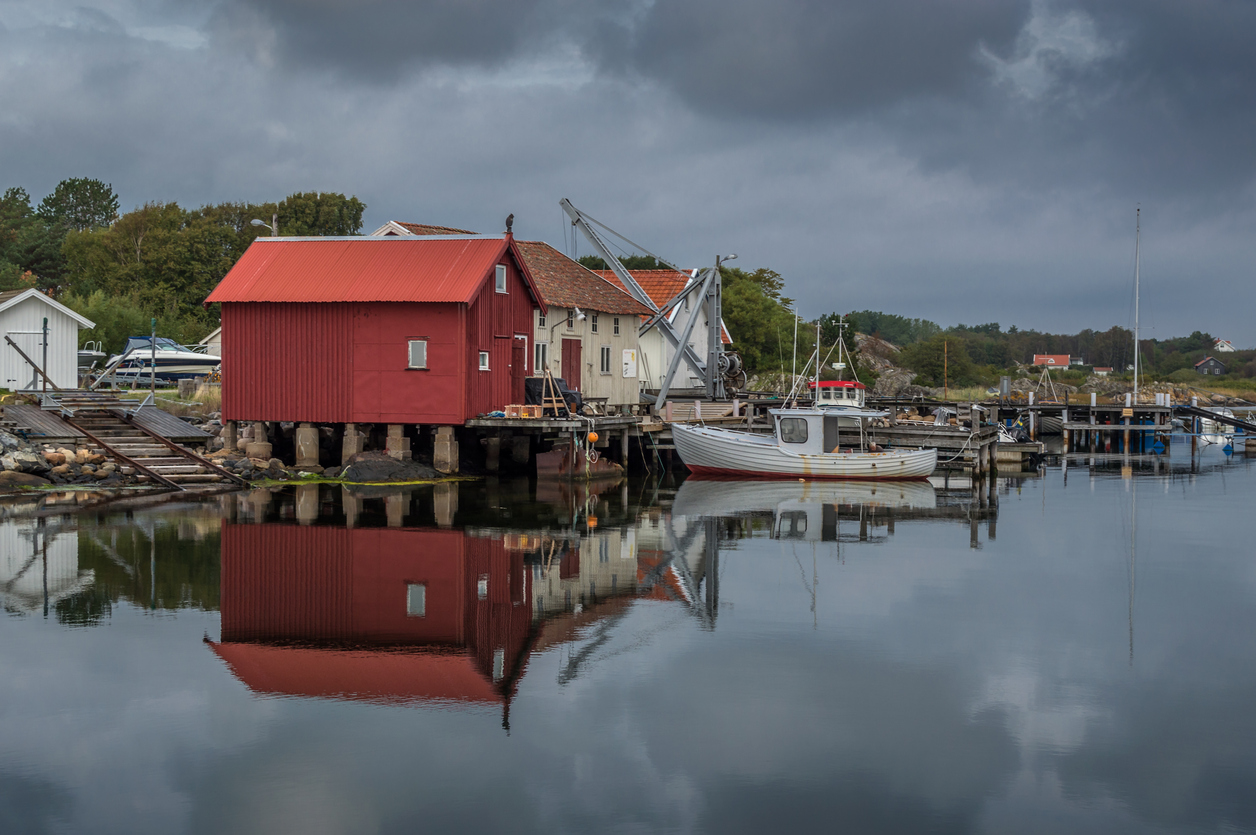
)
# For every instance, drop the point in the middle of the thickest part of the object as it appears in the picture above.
(604, 359)
(593, 323)
(540, 319)
(484, 361)
(421, 588)
(410, 353)
(615, 327)
(541, 359)
(501, 279)
(571, 318)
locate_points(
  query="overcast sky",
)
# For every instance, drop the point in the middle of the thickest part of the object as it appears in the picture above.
(964, 161)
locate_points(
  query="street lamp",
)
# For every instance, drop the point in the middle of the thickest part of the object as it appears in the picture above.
(273, 226)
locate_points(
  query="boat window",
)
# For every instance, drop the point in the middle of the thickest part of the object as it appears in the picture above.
(794, 430)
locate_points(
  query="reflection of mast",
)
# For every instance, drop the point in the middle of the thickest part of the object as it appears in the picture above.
(1133, 558)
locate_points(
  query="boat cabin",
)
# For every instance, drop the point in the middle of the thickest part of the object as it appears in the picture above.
(846, 394)
(819, 431)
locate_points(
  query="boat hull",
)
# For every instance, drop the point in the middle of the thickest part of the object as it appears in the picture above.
(720, 452)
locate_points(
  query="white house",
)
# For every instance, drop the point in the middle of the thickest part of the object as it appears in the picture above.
(1223, 346)
(22, 314)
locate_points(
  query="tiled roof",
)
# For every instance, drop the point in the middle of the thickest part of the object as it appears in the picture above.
(364, 269)
(425, 229)
(1051, 359)
(565, 283)
(661, 286)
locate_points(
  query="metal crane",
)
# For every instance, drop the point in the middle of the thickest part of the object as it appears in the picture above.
(704, 284)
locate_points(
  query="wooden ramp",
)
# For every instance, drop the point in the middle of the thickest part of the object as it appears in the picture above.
(35, 424)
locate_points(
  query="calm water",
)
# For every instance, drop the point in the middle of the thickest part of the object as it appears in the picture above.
(1073, 653)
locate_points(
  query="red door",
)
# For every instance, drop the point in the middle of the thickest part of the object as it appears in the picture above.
(571, 363)
(518, 369)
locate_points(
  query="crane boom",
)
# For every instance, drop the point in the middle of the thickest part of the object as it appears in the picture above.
(709, 371)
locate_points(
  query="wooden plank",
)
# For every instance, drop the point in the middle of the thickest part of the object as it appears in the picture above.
(35, 422)
(168, 426)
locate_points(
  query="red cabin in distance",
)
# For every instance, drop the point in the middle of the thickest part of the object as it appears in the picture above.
(401, 330)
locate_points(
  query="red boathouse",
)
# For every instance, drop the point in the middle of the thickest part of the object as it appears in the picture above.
(356, 330)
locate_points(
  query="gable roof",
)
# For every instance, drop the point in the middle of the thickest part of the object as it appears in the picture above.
(1214, 359)
(446, 268)
(397, 227)
(12, 298)
(661, 286)
(566, 283)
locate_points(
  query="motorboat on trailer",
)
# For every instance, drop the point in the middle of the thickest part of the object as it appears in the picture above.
(805, 442)
(173, 361)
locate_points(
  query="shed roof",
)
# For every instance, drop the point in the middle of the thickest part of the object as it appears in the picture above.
(12, 298)
(565, 283)
(444, 268)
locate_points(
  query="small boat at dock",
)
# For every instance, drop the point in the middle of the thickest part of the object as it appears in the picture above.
(805, 442)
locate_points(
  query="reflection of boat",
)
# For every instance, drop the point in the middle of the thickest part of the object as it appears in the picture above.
(804, 442)
(1215, 432)
(716, 497)
(173, 360)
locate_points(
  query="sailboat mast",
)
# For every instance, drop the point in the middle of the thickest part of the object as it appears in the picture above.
(1137, 231)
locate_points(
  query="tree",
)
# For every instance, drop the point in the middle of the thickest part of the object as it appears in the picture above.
(632, 262)
(80, 204)
(940, 360)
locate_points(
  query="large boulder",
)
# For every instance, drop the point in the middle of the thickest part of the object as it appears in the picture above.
(371, 467)
(10, 442)
(892, 383)
(24, 461)
(12, 478)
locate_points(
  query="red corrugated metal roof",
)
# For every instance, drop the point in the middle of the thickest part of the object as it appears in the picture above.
(365, 269)
(377, 675)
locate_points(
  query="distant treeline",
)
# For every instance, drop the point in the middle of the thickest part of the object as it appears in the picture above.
(158, 261)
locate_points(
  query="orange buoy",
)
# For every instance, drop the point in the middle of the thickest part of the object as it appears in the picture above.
(593, 437)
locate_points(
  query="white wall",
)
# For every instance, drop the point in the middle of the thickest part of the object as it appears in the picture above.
(615, 387)
(63, 332)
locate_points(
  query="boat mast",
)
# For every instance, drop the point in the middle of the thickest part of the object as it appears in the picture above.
(1137, 228)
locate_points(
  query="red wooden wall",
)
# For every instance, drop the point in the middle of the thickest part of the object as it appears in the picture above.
(338, 363)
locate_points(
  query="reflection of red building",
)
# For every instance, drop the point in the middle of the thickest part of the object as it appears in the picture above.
(379, 614)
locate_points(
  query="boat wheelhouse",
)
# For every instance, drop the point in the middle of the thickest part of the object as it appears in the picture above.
(839, 394)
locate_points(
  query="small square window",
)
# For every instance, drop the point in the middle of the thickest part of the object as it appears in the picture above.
(593, 323)
(418, 353)
(416, 600)
(615, 325)
(501, 278)
(484, 360)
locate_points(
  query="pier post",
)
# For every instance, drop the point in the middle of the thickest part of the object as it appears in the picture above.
(398, 444)
(445, 502)
(624, 439)
(228, 435)
(396, 506)
(352, 504)
(259, 503)
(259, 447)
(352, 444)
(520, 449)
(307, 445)
(492, 454)
(307, 504)
(445, 454)
(1033, 425)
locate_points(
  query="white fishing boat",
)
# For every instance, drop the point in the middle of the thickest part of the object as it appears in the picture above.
(805, 442)
(1216, 432)
(172, 359)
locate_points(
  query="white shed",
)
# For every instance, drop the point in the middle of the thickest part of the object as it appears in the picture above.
(22, 314)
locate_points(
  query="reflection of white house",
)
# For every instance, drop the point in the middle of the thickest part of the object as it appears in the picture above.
(22, 314)
(37, 568)
(579, 571)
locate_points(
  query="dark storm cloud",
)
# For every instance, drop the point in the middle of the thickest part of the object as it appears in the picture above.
(807, 58)
(376, 40)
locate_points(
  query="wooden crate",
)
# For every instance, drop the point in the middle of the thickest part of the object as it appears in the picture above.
(530, 412)
(513, 411)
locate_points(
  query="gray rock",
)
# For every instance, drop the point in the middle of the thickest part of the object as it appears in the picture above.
(24, 462)
(12, 478)
(331, 472)
(372, 467)
(9, 441)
